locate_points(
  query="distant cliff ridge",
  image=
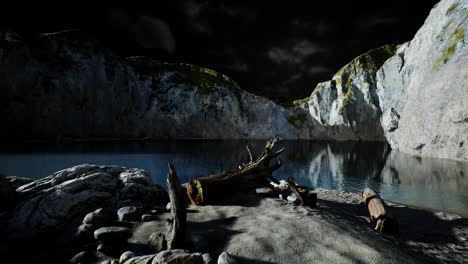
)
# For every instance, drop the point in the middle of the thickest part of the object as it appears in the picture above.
(67, 85)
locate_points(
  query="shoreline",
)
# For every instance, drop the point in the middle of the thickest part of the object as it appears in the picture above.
(253, 228)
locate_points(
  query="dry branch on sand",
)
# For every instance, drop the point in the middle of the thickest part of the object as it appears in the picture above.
(210, 189)
(380, 214)
(176, 231)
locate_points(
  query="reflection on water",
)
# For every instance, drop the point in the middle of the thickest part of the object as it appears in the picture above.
(431, 183)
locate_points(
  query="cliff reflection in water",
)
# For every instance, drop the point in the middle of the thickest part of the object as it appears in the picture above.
(350, 166)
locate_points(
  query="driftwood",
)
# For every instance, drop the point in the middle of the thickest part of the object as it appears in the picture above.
(176, 231)
(304, 196)
(210, 189)
(380, 214)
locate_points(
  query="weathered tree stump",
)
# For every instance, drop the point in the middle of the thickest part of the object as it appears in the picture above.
(210, 189)
(304, 196)
(380, 214)
(176, 231)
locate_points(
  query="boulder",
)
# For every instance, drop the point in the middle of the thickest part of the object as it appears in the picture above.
(8, 197)
(57, 201)
(129, 213)
(126, 256)
(112, 234)
(423, 91)
(157, 242)
(16, 181)
(109, 261)
(99, 217)
(146, 259)
(225, 258)
(147, 217)
(82, 257)
(85, 232)
(174, 256)
(57, 204)
(178, 256)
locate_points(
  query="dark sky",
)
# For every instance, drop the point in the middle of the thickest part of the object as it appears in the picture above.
(279, 49)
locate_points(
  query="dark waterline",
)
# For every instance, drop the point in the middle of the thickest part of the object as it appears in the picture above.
(350, 166)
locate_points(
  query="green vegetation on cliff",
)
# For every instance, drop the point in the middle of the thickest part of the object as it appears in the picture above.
(203, 79)
(454, 38)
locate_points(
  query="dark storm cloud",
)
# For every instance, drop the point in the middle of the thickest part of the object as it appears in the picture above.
(295, 53)
(149, 32)
(373, 22)
(154, 33)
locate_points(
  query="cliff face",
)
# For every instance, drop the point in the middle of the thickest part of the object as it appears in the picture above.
(423, 89)
(348, 106)
(413, 95)
(66, 85)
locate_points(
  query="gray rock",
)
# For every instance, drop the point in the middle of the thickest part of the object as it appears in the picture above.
(8, 196)
(110, 261)
(114, 249)
(177, 256)
(207, 258)
(85, 232)
(82, 257)
(348, 105)
(129, 213)
(16, 181)
(146, 259)
(292, 198)
(99, 217)
(126, 256)
(147, 217)
(112, 234)
(157, 241)
(225, 258)
(423, 88)
(56, 203)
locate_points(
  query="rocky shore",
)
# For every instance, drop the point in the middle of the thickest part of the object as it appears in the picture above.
(109, 214)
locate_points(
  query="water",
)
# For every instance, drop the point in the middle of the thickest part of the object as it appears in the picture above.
(429, 183)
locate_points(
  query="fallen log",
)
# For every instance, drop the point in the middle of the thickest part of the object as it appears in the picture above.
(176, 229)
(304, 196)
(380, 214)
(210, 189)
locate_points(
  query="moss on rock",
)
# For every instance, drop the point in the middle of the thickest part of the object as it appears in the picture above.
(203, 79)
(301, 101)
(451, 9)
(375, 58)
(454, 38)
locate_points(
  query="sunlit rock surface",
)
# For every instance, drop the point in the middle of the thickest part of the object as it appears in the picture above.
(423, 89)
(348, 106)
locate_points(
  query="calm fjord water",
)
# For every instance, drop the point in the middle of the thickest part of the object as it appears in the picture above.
(431, 183)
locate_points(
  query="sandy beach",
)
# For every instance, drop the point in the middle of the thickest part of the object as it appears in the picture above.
(257, 229)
